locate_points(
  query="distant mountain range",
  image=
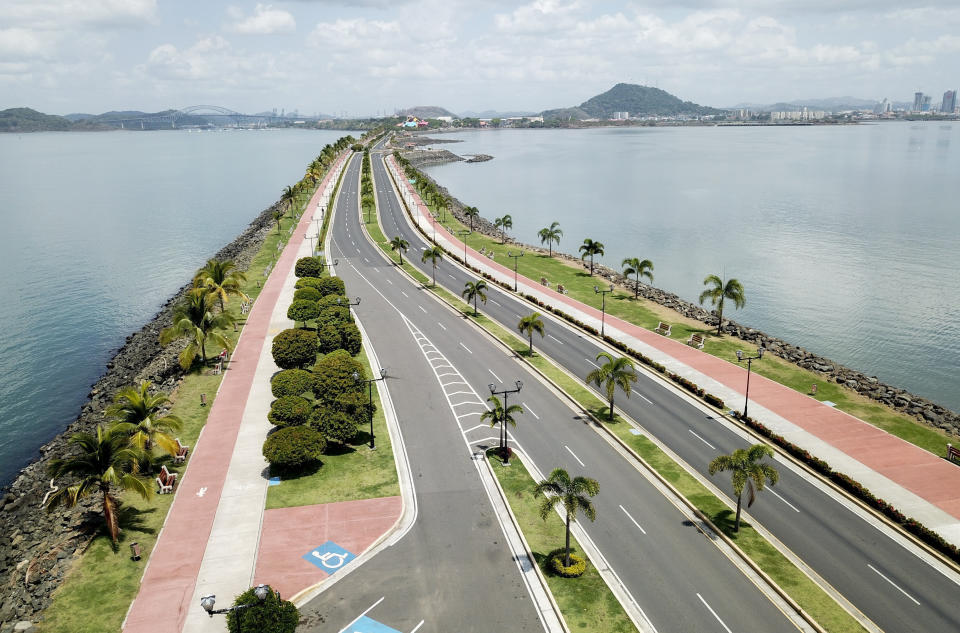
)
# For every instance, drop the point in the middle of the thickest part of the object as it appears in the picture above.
(634, 99)
(832, 104)
(496, 114)
(29, 120)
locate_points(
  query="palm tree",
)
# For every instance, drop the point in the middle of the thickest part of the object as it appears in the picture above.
(551, 235)
(497, 414)
(434, 254)
(471, 212)
(104, 460)
(572, 494)
(530, 324)
(194, 319)
(615, 372)
(504, 223)
(400, 245)
(474, 290)
(138, 414)
(289, 196)
(220, 278)
(591, 248)
(747, 472)
(720, 290)
(277, 216)
(640, 268)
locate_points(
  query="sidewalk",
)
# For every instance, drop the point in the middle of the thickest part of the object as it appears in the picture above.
(920, 484)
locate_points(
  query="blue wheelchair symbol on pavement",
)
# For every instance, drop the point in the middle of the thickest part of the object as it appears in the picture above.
(368, 625)
(329, 557)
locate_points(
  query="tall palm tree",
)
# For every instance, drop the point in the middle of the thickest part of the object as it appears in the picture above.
(719, 290)
(220, 279)
(138, 414)
(289, 196)
(530, 324)
(400, 245)
(471, 212)
(572, 494)
(474, 290)
(640, 268)
(747, 472)
(613, 373)
(104, 460)
(591, 248)
(551, 235)
(434, 254)
(504, 223)
(277, 216)
(194, 319)
(504, 417)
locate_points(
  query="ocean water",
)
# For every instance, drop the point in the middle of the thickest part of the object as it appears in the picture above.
(846, 238)
(98, 231)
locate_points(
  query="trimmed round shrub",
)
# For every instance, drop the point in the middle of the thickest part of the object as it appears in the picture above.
(291, 382)
(332, 286)
(332, 301)
(357, 405)
(308, 267)
(306, 294)
(350, 338)
(294, 448)
(333, 377)
(335, 426)
(578, 565)
(290, 411)
(330, 338)
(294, 349)
(335, 316)
(273, 615)
(310, 282)
(303, 310)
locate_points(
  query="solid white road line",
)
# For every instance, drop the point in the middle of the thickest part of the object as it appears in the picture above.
(702, 440)
(784, 500)
(442, 325)
(642, 396)
(555, 338)
(632, 519)
(722, 623)
(465, 347)
(424, 310)
(494, 375)
(893, 583)
(414, 629)
(574, 455)
(368, 610)
(528, 409)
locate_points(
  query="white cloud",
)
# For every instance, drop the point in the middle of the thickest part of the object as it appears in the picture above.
(17, 43)
(265, 21)
(75, 14)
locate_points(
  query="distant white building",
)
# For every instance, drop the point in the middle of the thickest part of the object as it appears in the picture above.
(621, 116)
(798, 115)
(445, 119)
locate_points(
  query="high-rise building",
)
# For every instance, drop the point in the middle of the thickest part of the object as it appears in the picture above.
(949, 103)
(917, 101)
(925, 105)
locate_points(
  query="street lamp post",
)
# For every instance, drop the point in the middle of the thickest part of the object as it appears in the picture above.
(208, 602)
(749, 360)
(503, 423)
(603, 308)
(370, 381)
(515, 261)
(348, 303)
(311, 238)
(463, 233)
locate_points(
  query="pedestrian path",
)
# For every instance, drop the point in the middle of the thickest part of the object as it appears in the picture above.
(208, 543)
(917, 482)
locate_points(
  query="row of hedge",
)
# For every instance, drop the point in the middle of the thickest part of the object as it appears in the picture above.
(842, 480)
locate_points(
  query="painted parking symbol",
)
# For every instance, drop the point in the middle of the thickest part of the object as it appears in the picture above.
(369, 625)
(329, 557)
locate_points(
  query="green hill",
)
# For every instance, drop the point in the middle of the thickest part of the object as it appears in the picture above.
(29, 120)
(637, 100)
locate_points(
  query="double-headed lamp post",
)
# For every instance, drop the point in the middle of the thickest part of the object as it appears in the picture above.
(503, 423)
(603, 306)
(208, 602)
(749, 359)
(370, 381)
(348, 303)
(516, 258)
(311, 238)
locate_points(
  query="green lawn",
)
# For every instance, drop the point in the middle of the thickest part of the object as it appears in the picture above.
(587, 604)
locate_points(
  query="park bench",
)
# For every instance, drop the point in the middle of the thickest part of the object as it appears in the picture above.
(544, 282)
(696, 340)
(953, 453)
(181, 452)
(663, 328)
(561, 289)
(166, 480)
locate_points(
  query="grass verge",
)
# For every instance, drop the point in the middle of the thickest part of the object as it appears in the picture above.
(587, 604)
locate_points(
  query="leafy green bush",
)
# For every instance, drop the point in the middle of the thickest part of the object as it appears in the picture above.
(336, 426)
(332, 301)
(332, 286)
(273, 615)
(306, 294)
(303, 310)
(350, 338)
(293, 349)
(335, 316)
(330, 338)
(291, 382)
(357, 405)
(308, 267)
(333, 377)
(578, 565)
(310, 282)
(290, 411)
(293, 449)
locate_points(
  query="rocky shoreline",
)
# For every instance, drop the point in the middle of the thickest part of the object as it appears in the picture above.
(921, 409)
(36, 548)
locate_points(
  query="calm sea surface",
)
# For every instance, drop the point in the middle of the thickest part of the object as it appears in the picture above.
(846, 239)
(98, 231)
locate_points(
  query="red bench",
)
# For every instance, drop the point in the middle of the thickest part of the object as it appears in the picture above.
(166, 480)
(182, 452)
(953, 453)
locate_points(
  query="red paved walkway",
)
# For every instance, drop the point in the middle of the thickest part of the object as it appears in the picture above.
(290, 533)
(170, 578)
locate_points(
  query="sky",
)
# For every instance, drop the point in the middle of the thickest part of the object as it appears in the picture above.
(370, 57)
